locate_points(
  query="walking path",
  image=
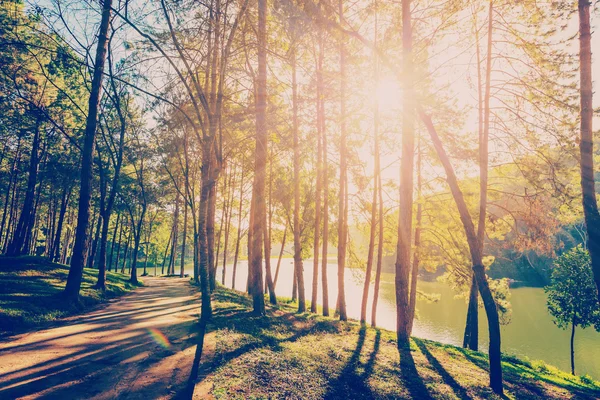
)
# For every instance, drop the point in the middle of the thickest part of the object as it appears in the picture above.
(138, 347)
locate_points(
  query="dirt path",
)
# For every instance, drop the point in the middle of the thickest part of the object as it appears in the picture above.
(118, 352)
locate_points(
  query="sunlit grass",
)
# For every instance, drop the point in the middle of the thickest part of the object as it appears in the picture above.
(290, 355)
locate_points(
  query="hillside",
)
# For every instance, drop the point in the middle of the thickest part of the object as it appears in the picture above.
(305, 356)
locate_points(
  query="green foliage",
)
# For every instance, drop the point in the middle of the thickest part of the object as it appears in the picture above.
(572, 293)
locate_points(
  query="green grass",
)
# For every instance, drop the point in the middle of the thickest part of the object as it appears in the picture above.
(31, 288)
(290, 355)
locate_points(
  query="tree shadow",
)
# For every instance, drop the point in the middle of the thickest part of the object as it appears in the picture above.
(349, 383)
(410, 376)
(448, 379)
(84, 366)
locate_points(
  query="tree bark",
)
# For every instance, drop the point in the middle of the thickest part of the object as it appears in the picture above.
(586, 144)
(343, 210)
(239, 232)
(64, 203)
(403, 250)
(183, 240)
(573, 347)
(471, 337)
(285, 229)
(258, 192)
(77, 260)
(379, 253)
(319, 170)
(19, 243)
(371, 250)
(476, 257)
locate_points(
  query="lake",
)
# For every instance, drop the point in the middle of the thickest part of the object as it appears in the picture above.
(531, 332)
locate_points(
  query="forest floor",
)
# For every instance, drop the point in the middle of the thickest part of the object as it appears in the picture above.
(31, 288)
(142, 347)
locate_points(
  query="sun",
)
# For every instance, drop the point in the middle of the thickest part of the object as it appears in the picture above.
(388, 94)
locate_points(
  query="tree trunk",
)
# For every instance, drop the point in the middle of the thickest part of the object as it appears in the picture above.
(94, 245)
(19, 243)
(162, 271)
(371, 250)
(260, 153)
(414, 275)
(586, 144)
(471, 337)
(12, 182)
(183, 240)
(77, 259)
(210, 233)
(64, 203)
(239, 232)
(285, 229)
(343, 210)
(112, 246)
(136, 247)
(119, 248)
(403, 250)
(173, 259)
(573, 347)
(379, 251)
(320, 173)
(476, 257)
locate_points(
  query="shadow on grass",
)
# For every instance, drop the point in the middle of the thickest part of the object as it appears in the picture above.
(349, 381)
(447, 378)
(410, 376)
(528, 378)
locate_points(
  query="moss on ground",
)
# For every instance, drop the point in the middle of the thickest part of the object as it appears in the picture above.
(31, 288)
(305, 356)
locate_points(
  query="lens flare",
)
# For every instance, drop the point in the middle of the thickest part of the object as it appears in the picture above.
(159, 338)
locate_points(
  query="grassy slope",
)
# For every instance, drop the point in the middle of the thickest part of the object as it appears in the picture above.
(288, 355)
(30, 289)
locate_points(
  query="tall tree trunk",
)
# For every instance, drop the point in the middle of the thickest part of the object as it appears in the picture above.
(268, 229)
(403, 250)
(12, 182)
(203, 240)
(94, 244)
(476, 257)
(112, 246)
(173, 259)
(573, 347)
(127, 246)
(414, 274)
(371, 250)
(343, 210)
(64, 203)
(136, 247)
(285, 230)
(260, 153)
(320, 173)
(119, 247)
(19, 243)
(379, 250)
(471, 336)
(110, 201)
(183, 240)
(239, 231)
(83, 216)
(586, 143)
(162, 271)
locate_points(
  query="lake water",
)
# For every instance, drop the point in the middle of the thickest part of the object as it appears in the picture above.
(531, 332)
